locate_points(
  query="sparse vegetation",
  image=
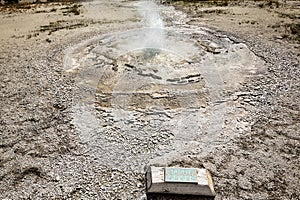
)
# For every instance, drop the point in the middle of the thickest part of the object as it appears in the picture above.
(59, 25)
(295, 30)
(74, 9)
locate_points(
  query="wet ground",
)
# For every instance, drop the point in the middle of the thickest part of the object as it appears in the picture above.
(126, 84)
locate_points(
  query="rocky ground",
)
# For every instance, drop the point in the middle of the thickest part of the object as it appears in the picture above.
(262, 163)
(45, 153)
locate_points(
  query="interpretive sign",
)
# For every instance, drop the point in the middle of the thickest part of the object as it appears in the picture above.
(177, 180)
(182, 175)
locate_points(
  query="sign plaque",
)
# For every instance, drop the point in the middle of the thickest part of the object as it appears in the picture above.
(177, 180)
(181, 175)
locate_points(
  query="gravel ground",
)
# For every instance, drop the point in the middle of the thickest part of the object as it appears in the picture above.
(262, 163)
(44, 157)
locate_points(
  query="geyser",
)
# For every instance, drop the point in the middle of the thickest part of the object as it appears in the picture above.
(153, 34)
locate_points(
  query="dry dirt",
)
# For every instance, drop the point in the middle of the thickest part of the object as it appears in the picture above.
(244, 128)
